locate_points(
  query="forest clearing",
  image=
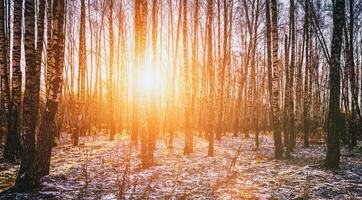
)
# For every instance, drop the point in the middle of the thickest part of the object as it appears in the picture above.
(181, 99)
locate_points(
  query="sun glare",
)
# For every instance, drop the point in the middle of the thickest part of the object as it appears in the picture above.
(151, 79)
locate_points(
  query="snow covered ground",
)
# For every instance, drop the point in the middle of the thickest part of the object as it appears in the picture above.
(99, 169)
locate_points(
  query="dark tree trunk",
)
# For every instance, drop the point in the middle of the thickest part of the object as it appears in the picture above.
(352, 77)
(287, 108)
(307, 81)
(81, 77)
(333, 138)
(275, 83)
(292, 138)
(220, 125)
(268, 49)
(31, 95)
(12, 145)
(40, 165)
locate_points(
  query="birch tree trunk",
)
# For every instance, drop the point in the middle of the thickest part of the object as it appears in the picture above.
(111, 82)
(145, 154)
(135, 104)
(12, 145)
(333, 138)
(4, 69)
(275, 83)
(40, 165)
(210, 67)
(31, 95)
(307, 81)
(268, 52)
(352, 76)
(188, 133)
(292, 138)
(194, 81)
(82, 60)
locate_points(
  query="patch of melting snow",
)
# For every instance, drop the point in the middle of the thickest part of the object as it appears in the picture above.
(109, 197)
(96, 170)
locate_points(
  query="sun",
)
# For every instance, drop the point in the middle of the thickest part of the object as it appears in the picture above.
(151, 79)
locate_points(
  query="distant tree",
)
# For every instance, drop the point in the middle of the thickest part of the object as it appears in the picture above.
(135, 93)
(299, 84)
(144, 137)
(307, 72)
(194, 65)
(268, 52)
(287, 97)
(210, 67)
(290, 65)
(188, 134)
(82, 63)
(111, 73)
(350, 65)
(222, 70)
(153, 110)
(170, 100)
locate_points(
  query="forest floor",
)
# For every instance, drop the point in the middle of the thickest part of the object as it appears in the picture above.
(102, 169)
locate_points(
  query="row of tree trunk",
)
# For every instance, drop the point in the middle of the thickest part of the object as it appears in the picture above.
(235, 79)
